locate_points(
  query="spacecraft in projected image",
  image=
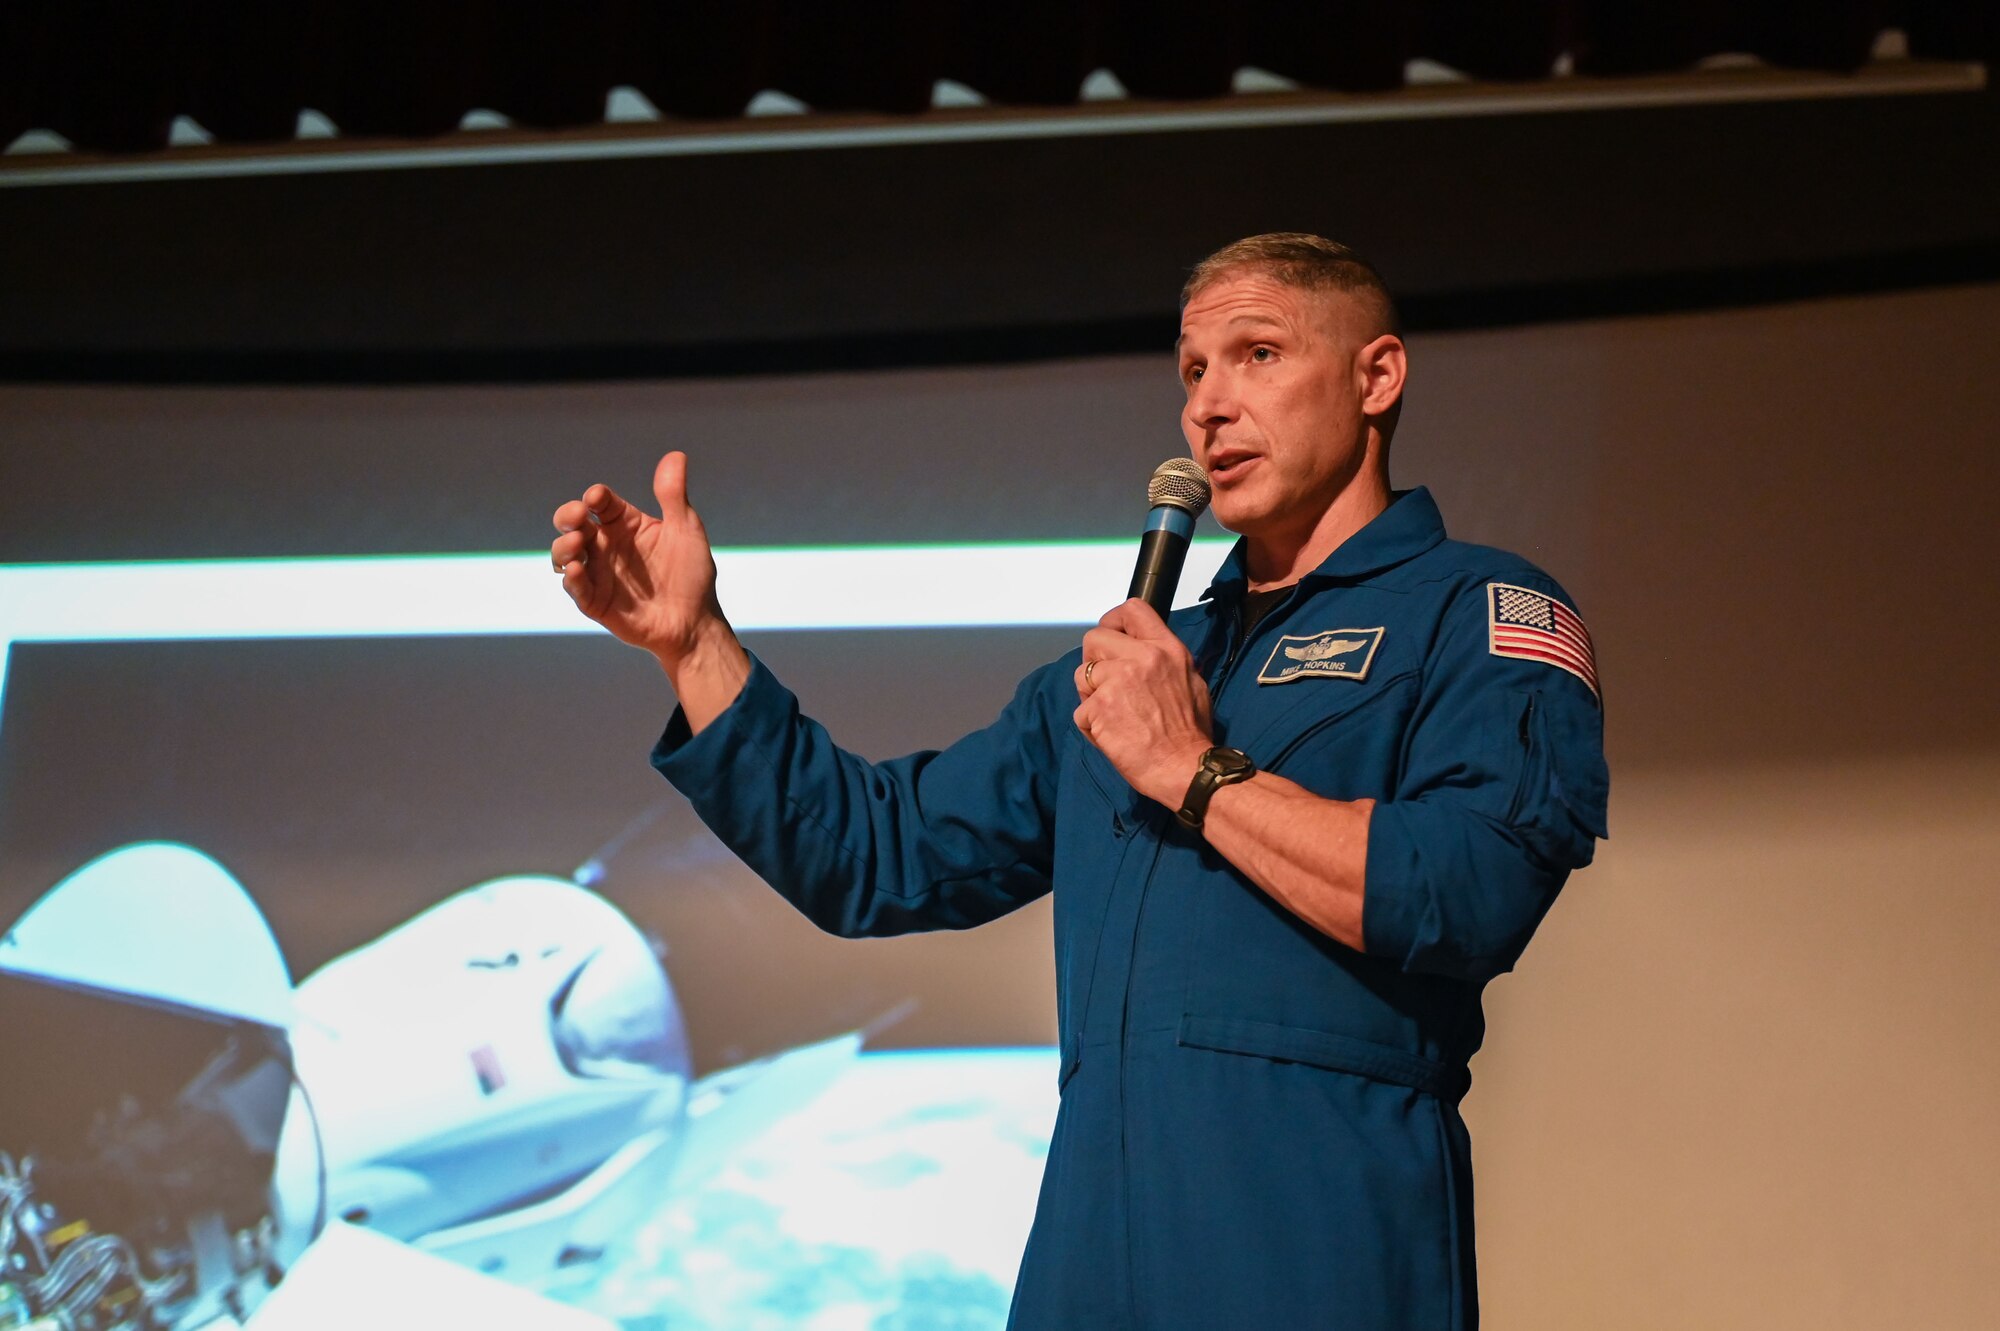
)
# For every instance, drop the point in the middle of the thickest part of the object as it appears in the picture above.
(502, 1081)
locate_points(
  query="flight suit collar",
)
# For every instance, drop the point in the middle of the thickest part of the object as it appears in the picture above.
(1408, 527)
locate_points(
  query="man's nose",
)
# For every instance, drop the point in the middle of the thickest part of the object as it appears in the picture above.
(1212, 402)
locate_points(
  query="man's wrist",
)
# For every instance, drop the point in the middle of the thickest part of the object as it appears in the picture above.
(708, 643)
(1171, 777)
(708, 674)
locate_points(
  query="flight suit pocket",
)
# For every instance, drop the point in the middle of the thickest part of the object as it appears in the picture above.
(1562, 781)
(1524, 716)
(1294, 743)
(1112, 788)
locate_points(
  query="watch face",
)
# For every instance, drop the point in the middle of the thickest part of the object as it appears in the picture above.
(1226, 762)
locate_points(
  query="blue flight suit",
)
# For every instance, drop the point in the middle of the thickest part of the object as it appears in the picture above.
(1259, 1126)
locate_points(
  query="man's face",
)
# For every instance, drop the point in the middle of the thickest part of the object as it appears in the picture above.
(1273, 400)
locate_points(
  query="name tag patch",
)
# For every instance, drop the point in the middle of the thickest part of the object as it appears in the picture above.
(1332, 654)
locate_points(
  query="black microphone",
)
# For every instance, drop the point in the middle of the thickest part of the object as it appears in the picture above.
(1178, 493)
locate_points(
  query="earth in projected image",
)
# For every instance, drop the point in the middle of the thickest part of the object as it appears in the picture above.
(898, 1201)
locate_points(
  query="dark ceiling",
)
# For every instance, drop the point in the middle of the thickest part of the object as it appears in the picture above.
(112, 76)
(906, 251)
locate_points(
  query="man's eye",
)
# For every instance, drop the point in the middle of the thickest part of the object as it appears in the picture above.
(1260, 353)
(1194, 374)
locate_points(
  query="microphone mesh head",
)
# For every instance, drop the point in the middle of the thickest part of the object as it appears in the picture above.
(1180, 482)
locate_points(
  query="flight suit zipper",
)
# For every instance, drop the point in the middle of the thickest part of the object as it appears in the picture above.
(1158, 821)
(1234, 655)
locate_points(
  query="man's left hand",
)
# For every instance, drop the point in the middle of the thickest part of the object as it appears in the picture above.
(1143, 704)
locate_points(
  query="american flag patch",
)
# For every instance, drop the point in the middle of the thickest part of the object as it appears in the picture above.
(1534, 627)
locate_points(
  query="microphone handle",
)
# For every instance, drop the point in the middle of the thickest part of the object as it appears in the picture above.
(1162, 551)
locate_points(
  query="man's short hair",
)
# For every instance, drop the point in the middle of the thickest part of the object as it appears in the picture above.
(1308, 262)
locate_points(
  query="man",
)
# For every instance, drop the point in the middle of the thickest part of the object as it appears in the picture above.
(1269, 954)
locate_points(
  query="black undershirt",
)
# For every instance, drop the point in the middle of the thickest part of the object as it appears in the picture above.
(1256, 605)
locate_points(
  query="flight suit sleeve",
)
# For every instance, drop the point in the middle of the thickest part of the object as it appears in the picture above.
(934, 840)
(1502, 794)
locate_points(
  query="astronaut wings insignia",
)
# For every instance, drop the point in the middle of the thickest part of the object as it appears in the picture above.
(1331, 654)
(1324, 650)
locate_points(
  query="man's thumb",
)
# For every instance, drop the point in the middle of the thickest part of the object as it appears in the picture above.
(670, 484)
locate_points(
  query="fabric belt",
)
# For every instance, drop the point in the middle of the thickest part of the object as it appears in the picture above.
(1325, 1049)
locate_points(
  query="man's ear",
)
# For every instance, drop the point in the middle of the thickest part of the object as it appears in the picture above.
(1383, 365)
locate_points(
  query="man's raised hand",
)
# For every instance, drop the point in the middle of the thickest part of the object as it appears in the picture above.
(650, 581)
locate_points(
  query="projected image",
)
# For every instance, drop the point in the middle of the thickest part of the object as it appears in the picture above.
(297, 1021)
(503, 1081)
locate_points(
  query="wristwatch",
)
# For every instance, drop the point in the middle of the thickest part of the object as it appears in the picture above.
(1219, 767)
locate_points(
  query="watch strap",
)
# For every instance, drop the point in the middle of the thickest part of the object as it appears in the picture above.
(1220, 766)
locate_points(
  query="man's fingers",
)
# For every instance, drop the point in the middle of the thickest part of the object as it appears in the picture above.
(569, 547)
(606, 506)
(1136, 618)
(1100, 643)
(1111, 644)
(1090, 675)
(572, 516)
(576, 582)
